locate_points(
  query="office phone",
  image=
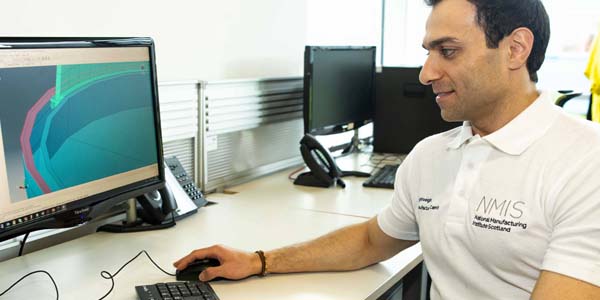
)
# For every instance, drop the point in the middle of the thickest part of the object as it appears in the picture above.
(324, 172)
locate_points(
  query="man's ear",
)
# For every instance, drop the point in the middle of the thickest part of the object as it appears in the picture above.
(520, 45)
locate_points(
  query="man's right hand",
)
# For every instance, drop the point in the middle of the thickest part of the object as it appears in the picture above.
(235, 264)
(349, 248)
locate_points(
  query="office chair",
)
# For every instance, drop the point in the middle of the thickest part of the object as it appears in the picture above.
(566, 95)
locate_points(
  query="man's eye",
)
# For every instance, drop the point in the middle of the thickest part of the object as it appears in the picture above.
(447, 52)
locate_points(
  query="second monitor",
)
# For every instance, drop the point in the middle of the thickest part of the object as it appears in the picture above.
(338, 88)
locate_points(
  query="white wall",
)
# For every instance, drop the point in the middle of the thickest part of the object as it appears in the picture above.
(344, 23)
(195, 39)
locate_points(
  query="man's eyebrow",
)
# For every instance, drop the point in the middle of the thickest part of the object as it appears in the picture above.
(437, 42)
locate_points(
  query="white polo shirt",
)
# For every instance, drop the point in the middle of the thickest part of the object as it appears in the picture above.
(492, 212)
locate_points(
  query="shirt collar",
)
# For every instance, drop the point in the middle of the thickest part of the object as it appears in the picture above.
(516, 136)
(465, 133)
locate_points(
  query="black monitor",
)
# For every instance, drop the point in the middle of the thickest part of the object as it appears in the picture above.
(338, 88)
(405, 111)
(79, 129)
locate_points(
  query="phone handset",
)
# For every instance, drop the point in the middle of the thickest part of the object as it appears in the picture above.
(324, 172)
(156, 205)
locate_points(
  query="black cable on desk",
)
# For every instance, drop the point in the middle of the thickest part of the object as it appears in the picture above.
(31, 273)
(23, 244)
(107, 275)
(104, 274)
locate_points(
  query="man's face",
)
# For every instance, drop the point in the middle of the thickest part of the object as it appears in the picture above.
(469, 79)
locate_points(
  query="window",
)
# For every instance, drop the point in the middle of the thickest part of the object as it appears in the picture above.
(573, 25)
(404, 29)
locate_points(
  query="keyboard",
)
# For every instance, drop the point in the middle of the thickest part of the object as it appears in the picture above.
(178, 290)
(383, 178)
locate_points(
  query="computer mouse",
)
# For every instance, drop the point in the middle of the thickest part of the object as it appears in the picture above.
(193, 270)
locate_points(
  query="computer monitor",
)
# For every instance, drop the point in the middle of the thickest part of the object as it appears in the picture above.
(405, 111)
(79, 129)
(338, 88)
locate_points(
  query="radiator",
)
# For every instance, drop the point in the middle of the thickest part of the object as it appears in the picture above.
(179, 122)
(249, 128)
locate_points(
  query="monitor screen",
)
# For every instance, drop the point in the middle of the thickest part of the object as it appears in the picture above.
(79, 127)
(338, 88)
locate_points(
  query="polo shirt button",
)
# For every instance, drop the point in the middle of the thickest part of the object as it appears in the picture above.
(471, 165)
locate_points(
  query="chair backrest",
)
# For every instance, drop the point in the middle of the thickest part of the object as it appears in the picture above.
(565, 96)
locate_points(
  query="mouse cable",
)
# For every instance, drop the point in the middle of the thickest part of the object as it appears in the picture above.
(23, 243)
(107, 275)
(104, 274)
(31, 273)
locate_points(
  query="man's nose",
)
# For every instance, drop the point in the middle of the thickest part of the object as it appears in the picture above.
(429, 72)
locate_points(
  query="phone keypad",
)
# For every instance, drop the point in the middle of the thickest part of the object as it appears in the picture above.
(185, 181)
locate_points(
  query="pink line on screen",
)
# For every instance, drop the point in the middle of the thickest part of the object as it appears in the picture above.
(26, 135)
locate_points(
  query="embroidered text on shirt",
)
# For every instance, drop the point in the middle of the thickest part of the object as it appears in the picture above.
(427, 205)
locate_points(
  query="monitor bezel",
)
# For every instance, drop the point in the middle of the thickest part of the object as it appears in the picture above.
(89, 208)
(308, 85)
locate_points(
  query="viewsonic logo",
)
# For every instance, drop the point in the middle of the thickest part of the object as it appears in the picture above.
(82, 211)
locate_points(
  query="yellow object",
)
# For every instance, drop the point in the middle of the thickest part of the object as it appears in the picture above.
(592, 72)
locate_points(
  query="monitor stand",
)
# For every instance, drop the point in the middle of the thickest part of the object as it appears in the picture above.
(354, 145)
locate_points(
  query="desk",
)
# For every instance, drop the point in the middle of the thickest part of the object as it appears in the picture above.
(264, 214)
(354, 200)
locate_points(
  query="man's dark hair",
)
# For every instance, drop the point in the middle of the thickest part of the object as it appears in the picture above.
(499, 18)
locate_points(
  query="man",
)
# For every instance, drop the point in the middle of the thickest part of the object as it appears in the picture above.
(506, 206)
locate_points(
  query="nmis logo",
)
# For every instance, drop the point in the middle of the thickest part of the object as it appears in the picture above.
(494, 207)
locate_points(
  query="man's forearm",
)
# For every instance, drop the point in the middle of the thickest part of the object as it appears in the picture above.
(348, 248)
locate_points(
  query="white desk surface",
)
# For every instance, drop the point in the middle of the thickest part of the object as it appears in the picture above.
(267, 213)
(354, 200)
